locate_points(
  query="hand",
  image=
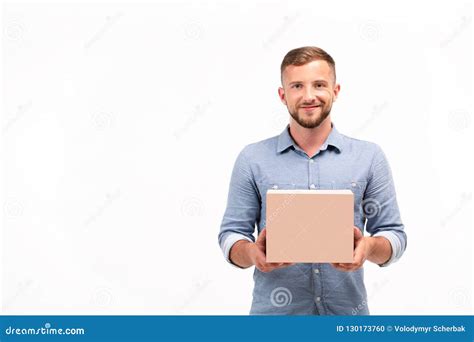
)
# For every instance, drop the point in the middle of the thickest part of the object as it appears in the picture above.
(258, 255)
(362, 247)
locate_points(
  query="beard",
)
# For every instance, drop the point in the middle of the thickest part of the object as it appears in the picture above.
(311, 122)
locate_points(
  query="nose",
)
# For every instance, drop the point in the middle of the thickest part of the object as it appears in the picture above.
(308, 96)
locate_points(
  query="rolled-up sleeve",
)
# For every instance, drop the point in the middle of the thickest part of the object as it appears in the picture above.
(381, 209)
(243, 207)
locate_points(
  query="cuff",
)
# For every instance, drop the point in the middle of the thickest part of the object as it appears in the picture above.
(229, 241)
(396, 246)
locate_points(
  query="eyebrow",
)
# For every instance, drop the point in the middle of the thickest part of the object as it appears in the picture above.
(317, 81)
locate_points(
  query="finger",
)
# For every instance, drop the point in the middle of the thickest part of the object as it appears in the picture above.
(358, 260)
(267, 268)
(352, 266)
(262, 238)
(281, 264)
(359, 254)
(339, 267)
(262, 261)
(275, 266)
(357, 234)
(349, 267)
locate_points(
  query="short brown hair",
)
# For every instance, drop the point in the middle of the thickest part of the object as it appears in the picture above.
(306, 54)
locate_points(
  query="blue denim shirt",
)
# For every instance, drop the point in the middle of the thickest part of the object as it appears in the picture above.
(341, 163)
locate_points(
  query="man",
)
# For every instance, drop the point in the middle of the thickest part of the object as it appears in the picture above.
(311, 154)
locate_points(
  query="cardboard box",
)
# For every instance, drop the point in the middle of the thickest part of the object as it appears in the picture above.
(314, 226)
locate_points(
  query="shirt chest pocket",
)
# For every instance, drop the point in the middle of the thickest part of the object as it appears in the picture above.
(357, 187)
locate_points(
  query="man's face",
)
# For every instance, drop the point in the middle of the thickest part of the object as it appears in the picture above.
(308, 92)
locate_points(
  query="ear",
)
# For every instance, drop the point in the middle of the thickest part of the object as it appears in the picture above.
(336, 90)
(281, 94)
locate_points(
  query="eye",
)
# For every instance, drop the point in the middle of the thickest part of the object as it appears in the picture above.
(297, 86)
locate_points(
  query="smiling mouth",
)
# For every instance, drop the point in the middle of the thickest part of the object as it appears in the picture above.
(310, 107)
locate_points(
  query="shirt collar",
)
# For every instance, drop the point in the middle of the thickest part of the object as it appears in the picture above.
(285, 140)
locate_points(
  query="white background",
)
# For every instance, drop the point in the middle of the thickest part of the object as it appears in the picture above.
(121, 124)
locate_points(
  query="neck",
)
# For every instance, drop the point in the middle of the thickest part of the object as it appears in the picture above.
(310, 139)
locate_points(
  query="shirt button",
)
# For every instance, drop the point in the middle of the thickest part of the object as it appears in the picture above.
(316, 271)
(275, 187)
(318, 299)
(311, 161)
(354, 184)
(312, 186)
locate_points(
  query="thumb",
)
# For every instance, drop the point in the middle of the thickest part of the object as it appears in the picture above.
(357, 234)
(263, 234)
(262, 237)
